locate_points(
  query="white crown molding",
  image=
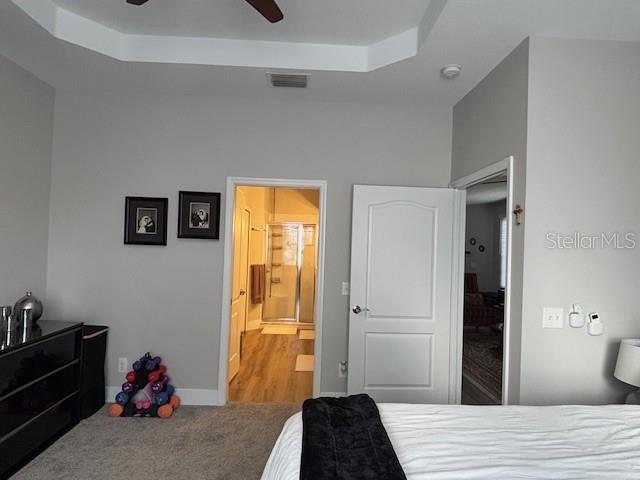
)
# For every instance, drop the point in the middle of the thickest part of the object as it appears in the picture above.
(79, 30)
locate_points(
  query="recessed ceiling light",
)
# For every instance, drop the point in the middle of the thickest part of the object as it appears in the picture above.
(451, 71)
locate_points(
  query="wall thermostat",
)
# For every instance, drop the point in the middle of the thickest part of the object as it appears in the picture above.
(595, 327)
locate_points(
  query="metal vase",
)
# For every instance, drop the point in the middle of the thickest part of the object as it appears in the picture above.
(26, 323)
(8, 327)
(8, 322)
(5, 315)
(28, 302)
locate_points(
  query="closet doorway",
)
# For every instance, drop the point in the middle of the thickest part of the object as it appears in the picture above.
(273, 271)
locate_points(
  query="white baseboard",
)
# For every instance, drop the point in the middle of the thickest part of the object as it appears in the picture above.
(110, 394)
(188, 396)
(254, 324)
(333, 394)
(198, 396)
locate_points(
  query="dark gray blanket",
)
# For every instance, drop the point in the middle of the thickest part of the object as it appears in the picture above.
(344, 439)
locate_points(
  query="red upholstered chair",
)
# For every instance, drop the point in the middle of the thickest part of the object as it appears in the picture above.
(479, 310)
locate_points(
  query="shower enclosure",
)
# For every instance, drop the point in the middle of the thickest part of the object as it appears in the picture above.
(291, 273)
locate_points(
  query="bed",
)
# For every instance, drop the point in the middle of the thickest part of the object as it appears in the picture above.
(456, 442)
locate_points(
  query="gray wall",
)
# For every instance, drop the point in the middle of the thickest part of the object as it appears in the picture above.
(489, 124)
(582, 176)
(26, 131)
(168, 298)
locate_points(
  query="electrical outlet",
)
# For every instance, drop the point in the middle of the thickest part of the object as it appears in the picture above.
(123, 364)
(345, 288)
(342, 369)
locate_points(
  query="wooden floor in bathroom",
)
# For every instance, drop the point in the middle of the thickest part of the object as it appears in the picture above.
(267, 369)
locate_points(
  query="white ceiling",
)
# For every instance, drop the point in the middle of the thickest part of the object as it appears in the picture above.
(475, 33)
(334, 35)
(346, 22)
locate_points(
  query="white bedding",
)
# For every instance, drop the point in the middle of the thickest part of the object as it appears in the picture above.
(453, 442)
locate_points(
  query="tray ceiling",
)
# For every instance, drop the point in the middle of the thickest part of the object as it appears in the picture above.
(344, 35)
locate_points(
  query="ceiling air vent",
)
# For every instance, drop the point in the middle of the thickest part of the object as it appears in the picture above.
(288, 80)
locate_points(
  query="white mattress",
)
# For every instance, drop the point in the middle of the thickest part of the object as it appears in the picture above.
(454, 442)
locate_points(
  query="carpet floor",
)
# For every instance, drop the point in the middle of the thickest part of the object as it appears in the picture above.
(213, 443)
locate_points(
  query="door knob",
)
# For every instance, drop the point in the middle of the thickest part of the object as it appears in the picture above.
(357, 309)
(243, 291)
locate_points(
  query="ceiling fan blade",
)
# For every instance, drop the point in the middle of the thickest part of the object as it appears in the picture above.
(268, 9)
(137, 2)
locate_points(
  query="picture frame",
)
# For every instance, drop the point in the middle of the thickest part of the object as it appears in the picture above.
(145, 221)
(199, 215)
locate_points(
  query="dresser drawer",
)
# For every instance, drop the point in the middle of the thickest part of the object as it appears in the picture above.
(30, 440)
(27, 403)
(22, 366)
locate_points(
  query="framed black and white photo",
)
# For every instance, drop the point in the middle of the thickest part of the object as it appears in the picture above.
(199, 215)
(145, 221)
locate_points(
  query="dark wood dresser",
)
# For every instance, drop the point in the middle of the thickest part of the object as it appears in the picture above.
(39, 384)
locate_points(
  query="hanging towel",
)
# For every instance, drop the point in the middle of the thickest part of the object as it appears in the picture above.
(257, 283)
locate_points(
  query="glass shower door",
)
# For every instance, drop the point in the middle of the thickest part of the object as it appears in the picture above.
(307, 290)
(283, 267)
(290, 273)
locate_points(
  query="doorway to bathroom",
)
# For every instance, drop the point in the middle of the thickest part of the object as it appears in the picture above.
(273, 270)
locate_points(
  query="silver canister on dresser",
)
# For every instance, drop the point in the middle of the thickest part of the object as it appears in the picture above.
(28, 302)
(5, 315)
(26, 324)
(8, 327)
(9, 321)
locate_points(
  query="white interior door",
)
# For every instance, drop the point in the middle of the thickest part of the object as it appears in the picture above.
(401, 287)
(238, 320)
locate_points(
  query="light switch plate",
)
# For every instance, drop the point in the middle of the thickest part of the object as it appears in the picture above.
(345, 288)
(552, 317)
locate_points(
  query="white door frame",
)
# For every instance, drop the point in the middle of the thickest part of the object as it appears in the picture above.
(246, 304)
(503, 166)
(232, 183)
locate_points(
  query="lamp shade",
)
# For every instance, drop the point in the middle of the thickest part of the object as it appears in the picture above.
(628, 364)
